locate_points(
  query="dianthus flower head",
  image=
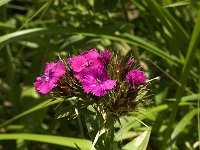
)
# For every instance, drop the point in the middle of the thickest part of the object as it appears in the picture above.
(82, 63)
(135, 78)
(97, 82)
(48, 80)
(105, 56)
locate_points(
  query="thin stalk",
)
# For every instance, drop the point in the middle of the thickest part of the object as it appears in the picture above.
(110, 137)
(80, 126)
(35, 14)
(170, 77)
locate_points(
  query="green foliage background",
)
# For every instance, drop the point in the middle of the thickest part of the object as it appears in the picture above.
(163, 36)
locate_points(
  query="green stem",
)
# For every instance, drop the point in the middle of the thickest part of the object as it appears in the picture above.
(80, 126)
(109, 139)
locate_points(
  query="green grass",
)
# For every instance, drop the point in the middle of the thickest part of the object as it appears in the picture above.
(59, 140)
(166, 32)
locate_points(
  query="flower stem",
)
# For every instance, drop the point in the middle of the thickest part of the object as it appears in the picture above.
(110, 138)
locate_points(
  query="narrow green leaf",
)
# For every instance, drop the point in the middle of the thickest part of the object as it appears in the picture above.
(6, 26)
(168, 20)
(18, 35)
(187, 98)
(29, 44)
(145, 114)
(182, 124)
(72, 39)
(140, 142)
(51, 139)
(35, 108)
(131, 39)
(170, 26)
(42, 8)
(68, 112)
(181, 3)
(3, 2)
(195, 39)
(128, 135)
(151, 48)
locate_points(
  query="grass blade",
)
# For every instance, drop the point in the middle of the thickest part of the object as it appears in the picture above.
(185, 71)
(187, 98)
(35, 108)
(131, 39)
(140, 142)
(59, 140)
(181, 3)
(149, 114)
(182, 124)
(3, 2)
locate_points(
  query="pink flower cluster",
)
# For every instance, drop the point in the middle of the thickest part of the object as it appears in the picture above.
(90, 69)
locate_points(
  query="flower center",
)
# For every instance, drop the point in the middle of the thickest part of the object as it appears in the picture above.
(88, 64)
(98, 81)
(47, 76)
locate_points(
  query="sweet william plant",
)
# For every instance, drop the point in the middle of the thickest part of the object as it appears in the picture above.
(106, 82)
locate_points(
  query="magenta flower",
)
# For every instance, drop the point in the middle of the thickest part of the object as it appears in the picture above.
(105, 56)
(135, 78)
(48, 80)
(97, 82)
(82, 63)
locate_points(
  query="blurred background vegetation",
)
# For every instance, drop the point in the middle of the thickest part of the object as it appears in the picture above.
(163, 36)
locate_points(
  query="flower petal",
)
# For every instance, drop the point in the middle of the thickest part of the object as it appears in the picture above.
(109, 84)
(77, 63)
(48, 80)
(88, 82)
(98, 90)
(44, 87)
(91, 54)
(59, 69)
